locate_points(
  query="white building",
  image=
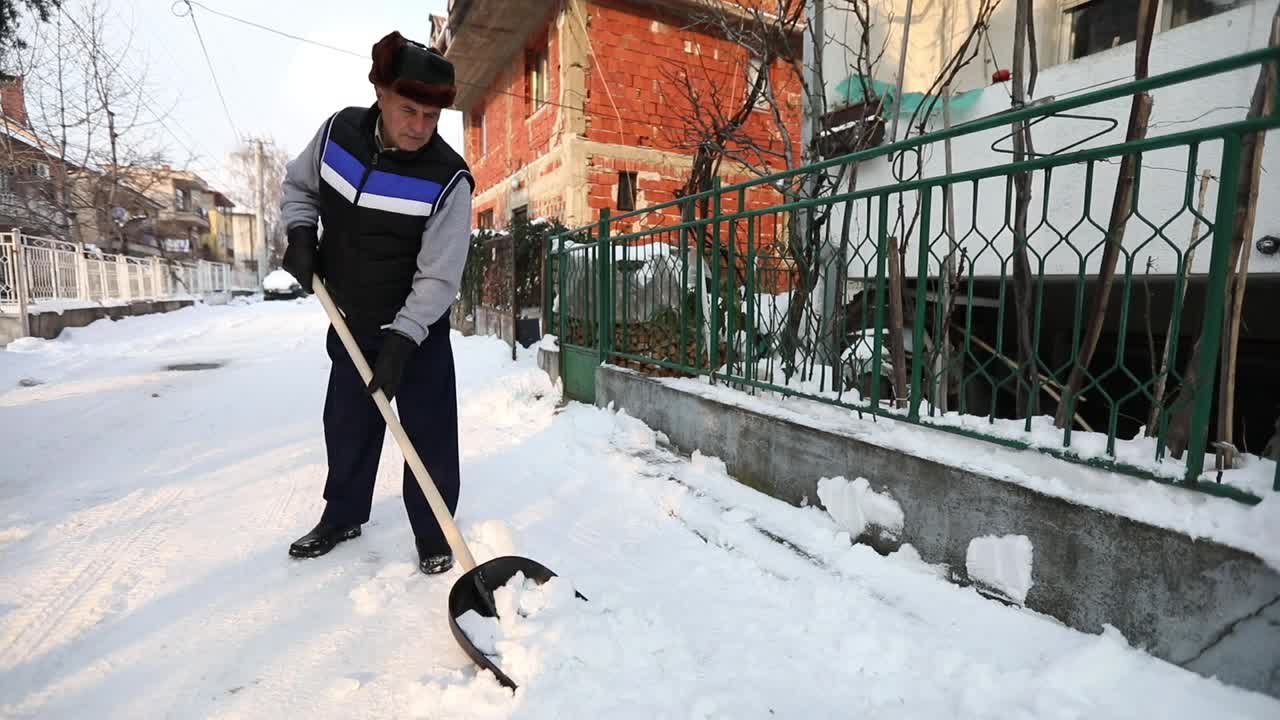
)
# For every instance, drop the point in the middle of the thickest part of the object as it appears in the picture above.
(1081, 46)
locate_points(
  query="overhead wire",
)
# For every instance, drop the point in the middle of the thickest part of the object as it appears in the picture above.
(519, 96)
(144, 98)
(208, 61)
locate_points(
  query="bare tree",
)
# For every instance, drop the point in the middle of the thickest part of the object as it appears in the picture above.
(91, 115)
(938, 91)
(1028, 389)
(243, 177)
(1139, 113)
(1246, 205)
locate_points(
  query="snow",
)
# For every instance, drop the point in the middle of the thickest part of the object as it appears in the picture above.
(550, 343)
(1254, 529)
(1002, 564)
(855, 506)
(145, 516)
(279, 280)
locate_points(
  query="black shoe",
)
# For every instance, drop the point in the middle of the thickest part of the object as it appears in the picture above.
(433, 561)
(322, 539)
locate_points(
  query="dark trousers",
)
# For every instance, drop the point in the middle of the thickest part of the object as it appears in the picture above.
(427, 404)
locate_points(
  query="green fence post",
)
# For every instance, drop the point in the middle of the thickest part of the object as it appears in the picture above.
(922, 287)
(1214, 304)
(713, 353)
(562, 299)
(604, 289)
(750, 289)
(882, 294)
(548, 285)
(682, 353)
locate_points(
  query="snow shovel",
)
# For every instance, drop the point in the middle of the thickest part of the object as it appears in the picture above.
(474, 590)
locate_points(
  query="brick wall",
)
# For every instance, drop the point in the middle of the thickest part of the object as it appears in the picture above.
(636, 86)
(634, 100)
(515, 132)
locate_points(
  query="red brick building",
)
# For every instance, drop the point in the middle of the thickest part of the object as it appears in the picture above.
(573, 106)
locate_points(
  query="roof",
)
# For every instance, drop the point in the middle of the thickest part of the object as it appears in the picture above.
(10, 129)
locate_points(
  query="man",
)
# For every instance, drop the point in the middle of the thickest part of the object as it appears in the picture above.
(394, 202)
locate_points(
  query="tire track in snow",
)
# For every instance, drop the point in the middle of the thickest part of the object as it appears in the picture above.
(31, 627)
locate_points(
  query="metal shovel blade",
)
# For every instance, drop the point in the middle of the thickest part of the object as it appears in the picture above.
(474, 591)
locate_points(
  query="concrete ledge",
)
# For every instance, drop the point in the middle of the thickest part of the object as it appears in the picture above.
(48, 325)
(1196, 603)
(549, 361)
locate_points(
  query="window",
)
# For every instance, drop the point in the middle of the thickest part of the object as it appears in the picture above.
(539, 83)
(482, 133)
(181, 200)
(755, 66)
(485, 220)
(1182, 12)
(1101, 25)
(626, 190)
(40, 170)
(520, 215)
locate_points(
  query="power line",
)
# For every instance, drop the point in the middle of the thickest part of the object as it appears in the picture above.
(144, 97)
(218, 86)
(518, 96)
(250, 23)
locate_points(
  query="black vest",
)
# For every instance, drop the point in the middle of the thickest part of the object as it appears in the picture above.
(374, 207)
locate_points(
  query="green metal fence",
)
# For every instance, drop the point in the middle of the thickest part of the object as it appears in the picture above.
(791, 284)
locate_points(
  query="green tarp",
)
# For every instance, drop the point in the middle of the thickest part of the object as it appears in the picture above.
(850, 92)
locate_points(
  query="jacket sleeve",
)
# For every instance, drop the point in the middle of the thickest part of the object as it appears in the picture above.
(445, 243)
(300, 203)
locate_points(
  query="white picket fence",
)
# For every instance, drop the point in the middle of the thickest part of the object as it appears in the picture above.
(39, 270)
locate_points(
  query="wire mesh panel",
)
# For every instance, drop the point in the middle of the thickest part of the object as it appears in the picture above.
(979, 302)
(67, 273)
(8, 271)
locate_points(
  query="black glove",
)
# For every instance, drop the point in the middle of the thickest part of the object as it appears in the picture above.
(394, 356)
(302, 255)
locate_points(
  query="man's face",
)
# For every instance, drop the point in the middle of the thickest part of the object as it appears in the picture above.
(406, 125)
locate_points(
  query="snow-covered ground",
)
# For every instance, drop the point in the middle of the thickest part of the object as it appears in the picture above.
(145, 515)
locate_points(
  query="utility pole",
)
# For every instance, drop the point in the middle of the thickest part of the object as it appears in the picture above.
(259, 221)
(902, 76)
(810, 133)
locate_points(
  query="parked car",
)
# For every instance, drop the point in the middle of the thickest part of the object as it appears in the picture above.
(280, 285)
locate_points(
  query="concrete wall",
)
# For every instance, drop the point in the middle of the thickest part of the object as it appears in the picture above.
(485, 321)
(1207, 607)
(48, 325)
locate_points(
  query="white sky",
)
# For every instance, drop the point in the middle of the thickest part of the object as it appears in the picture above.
(274, 86)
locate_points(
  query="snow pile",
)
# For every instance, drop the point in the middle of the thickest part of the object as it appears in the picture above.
(1002, 564)
(279, 281)
(855, 506)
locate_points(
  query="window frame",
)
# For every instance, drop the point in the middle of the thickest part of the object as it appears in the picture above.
(1164, 23)
(538, 76)
(632, 179)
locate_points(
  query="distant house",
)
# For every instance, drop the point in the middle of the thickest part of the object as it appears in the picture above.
(220, 245)
(244, 237)
(33, 181)
(182, 226)
(113, 216)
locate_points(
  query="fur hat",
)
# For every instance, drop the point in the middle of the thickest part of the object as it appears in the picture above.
(413, 70)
